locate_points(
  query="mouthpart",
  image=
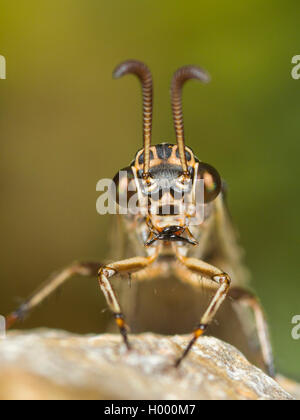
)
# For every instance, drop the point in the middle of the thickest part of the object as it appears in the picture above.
(171, 234)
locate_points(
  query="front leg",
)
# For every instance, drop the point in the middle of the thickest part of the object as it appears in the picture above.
(129, 266)
(215, 275)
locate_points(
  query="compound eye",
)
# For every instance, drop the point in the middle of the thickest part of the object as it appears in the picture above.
(212, 181)
(124, 186)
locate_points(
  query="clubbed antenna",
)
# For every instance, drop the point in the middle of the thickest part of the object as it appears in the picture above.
(143, 73)
(180, 77)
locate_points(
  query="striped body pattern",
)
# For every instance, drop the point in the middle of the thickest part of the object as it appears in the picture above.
(168, 236)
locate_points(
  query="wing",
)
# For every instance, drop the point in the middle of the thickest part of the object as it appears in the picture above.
(224, 250)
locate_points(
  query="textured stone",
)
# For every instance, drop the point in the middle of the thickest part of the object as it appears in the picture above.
(50, 364)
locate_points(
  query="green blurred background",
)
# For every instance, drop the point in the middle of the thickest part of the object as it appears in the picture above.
(64, 124)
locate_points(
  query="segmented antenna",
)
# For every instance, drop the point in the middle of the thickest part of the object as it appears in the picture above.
(180, 77)
(143, 73)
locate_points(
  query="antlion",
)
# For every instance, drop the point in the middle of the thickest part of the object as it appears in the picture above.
(202, 256)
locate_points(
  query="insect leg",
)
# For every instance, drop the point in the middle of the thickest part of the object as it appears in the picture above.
(215, 275)
(153, 271)
(249, 299)
(132, 265)
(49, 287)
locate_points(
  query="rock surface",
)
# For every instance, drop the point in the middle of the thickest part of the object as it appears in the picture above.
(50, 364)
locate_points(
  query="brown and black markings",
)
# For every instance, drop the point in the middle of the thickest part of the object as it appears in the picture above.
(168, 246)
